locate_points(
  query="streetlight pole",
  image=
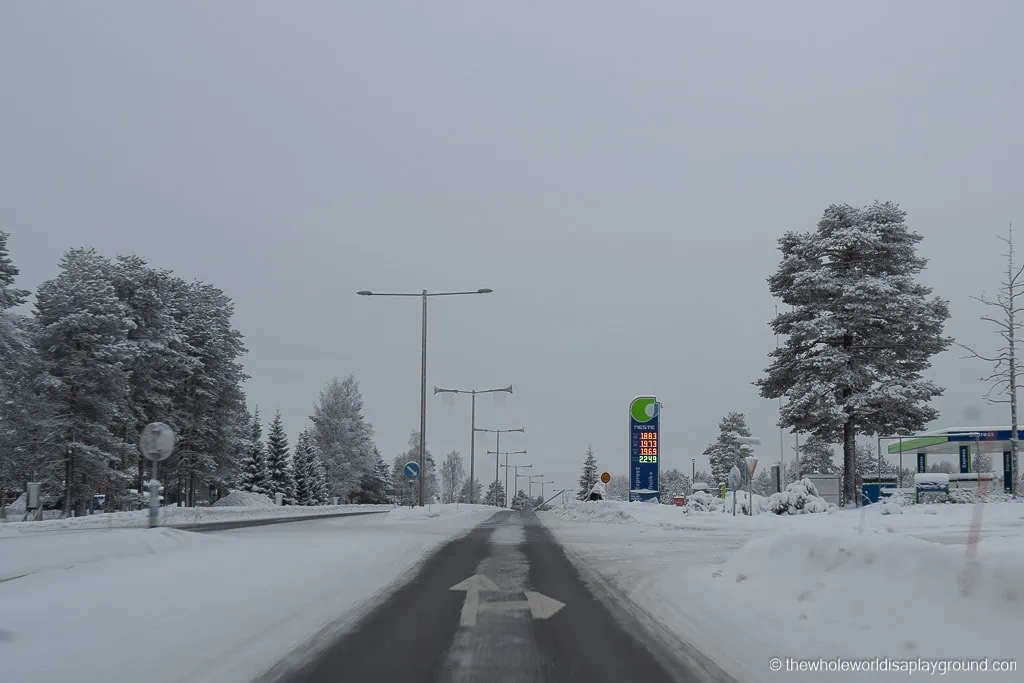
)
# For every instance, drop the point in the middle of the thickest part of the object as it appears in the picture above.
(472, 423)
(423, 366)
(497, 455)
(532, 477)
(497, 447)
(516, 469)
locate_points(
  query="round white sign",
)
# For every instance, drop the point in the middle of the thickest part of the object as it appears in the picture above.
(156, 441)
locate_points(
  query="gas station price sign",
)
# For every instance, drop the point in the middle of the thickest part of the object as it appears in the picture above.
(644, 448)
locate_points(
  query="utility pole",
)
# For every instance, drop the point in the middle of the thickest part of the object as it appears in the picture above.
(472, 425)
(497, 447)
(506, 454)
(423, 367)
(516, 469)
(532, 477)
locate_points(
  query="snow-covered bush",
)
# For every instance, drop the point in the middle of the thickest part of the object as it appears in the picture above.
(800, 497)
(702, 501)
(245, 499)
(891, 508)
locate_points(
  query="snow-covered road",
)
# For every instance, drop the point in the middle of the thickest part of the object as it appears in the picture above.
(854, 584)
(170, 605)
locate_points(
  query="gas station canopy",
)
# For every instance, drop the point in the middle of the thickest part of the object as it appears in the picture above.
(948, 441)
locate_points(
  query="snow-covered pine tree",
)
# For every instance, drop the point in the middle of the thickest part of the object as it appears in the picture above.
(375, 486)
(589, 475)
(343, 436)
(464, 492)
(301, 469)
(495, 494)
(861, 331)
(452, 474)
(724, 452)
(817, 456)
(280, 475)
(520, 501)
(618, 487)
(319, 488)
(673, 483)
(211, 418)
(255, 476)
(82, 341)
(763, 485)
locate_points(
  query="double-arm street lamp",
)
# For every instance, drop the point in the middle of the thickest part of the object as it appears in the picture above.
(473, 430)
(497, 455)
(497, 447)
(423, 366)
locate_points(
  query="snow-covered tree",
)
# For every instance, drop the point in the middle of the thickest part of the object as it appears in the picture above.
(589, 475)
(861, 331)
(279, 469)
(210, 417)
(477, 493)
(375, 487)
(428, 473)
(520, 501)
(618, 487)
(255, 475)
(673, 483)
(1005, 364)
(495, 494)
(724, 452)
(343, 436)
(452, 474)
(706, 477)
(302, 485)
(763, 485)
(82, 341)
(817, 457)
(319, 488)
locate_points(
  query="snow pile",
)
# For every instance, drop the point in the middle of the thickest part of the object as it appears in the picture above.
(800, 497)
(601, 511)
(891, 508)
(18, 505)
(439, 510)
(245, 499)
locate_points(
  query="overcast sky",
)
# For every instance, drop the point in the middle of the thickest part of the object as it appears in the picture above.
(618, 172)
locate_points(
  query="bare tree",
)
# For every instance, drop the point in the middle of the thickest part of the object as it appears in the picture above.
(1002, 380)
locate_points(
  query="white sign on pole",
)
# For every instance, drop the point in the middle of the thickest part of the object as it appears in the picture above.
(735, 478)
(156, 443)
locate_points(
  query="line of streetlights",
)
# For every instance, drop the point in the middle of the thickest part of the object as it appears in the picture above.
(424, 295)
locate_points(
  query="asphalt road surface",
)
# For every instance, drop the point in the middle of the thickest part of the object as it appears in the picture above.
(503, 604)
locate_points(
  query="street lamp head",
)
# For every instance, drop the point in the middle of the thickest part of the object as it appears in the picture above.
(364, 292)
(485, 290)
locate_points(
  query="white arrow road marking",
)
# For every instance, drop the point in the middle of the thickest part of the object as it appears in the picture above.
(539, 605)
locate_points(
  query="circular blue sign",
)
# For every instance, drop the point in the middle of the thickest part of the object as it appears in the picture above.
(411, 470)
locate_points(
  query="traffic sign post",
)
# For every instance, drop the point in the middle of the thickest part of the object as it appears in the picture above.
(644, 448)
(411, 471)
(735, 479)
(156, 442)
(751, 466)
(605, 477)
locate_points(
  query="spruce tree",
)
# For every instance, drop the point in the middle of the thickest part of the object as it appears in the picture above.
(495, 494)
(520, 501)
(255, 475)
(588, 478)
(301, 464)
(465, 495)
(319, 488)
(280, 473)
(860, 332)
(724, 452)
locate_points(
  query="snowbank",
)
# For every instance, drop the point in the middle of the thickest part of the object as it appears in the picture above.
(231, 604)
(174, 516)
(246, 499)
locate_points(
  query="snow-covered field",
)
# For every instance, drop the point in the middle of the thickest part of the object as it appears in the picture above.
(124, 604)
(853, 584)
(179, 516)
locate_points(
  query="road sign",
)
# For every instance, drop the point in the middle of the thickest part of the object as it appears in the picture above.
(644, 448)
(735, 478)
(411, 470)
(605, 477)
(751, 465)
(156, 441)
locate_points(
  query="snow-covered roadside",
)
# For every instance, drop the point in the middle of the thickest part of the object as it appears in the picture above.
(169, 605)
(853, 584)
(173, 516)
